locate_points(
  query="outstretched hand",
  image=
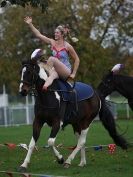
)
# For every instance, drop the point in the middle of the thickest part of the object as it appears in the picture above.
(28, 20)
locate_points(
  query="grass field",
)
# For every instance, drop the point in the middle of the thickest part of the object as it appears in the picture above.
(99, 163)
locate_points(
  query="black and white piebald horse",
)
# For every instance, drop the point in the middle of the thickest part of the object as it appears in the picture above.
(61, 105)
(114, 81)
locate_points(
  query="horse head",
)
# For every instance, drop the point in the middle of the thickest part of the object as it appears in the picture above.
(27, 77)
(31, 71)
(108, 84)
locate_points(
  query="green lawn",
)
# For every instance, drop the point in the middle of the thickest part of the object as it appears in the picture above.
(99, 163)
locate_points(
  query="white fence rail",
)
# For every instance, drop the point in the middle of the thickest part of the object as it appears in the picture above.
(16, 115)
(24, 113)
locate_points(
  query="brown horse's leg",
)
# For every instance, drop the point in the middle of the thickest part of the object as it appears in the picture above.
(80, 145)
(51, 141)
(82, 152)
(37, 125)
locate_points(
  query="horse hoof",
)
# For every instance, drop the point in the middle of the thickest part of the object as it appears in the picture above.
(60, 161)
(66, 165)
(82, 164)
(22, 169)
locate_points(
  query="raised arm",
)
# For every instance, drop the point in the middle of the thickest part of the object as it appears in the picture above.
(37, 33)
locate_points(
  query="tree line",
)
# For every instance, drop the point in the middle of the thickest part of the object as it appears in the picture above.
(104, 31)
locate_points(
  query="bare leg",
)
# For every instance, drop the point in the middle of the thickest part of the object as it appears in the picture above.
(58, 70)
(52, 75)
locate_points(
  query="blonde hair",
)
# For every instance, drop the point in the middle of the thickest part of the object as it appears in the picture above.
(62, 29)
(65, 31)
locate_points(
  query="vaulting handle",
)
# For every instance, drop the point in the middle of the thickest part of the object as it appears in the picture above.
(71, 81)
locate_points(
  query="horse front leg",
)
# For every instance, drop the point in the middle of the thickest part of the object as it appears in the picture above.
(37, 125)
(51, 142)
(80, 145)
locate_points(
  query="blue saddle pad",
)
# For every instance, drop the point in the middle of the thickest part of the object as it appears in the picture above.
(81, 91)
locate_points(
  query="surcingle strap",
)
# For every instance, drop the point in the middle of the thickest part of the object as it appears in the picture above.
(71, 95)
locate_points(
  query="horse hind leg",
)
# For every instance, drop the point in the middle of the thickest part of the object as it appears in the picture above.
(83, 157)
(36, 133)
(80, 145)
(82, 154)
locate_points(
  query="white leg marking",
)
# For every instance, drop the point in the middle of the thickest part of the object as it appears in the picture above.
(51, 142)
(28, 156)
(81, 143)
(57, 154)
(61, 123)
(83, 156)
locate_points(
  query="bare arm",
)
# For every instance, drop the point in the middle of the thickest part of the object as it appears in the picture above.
(76, 60)
(37, 33)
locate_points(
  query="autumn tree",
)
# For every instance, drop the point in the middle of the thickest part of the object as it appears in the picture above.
(98, 48)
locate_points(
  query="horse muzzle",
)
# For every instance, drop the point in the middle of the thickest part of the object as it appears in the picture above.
(24, 90)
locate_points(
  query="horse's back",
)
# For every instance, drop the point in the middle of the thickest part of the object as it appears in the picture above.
(83, 91)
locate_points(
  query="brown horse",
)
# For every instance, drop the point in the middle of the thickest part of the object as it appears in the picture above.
(51, 108)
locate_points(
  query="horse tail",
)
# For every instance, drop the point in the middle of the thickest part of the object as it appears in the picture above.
(108, 122)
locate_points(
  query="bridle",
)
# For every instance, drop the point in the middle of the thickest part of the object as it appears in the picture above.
(35, 76)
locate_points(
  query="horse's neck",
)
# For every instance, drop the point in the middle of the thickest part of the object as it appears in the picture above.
(46, 98)
(124, 86)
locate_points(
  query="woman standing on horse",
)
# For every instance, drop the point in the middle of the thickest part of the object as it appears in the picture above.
(61, 49)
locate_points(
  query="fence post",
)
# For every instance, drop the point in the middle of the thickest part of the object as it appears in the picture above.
(127, 108)
(27, 110)
(5, 116)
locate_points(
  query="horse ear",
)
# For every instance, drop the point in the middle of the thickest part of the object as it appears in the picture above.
(24, 62)
(110, 73)
(117, 68)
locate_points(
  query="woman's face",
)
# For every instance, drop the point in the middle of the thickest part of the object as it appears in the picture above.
(58, 34)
